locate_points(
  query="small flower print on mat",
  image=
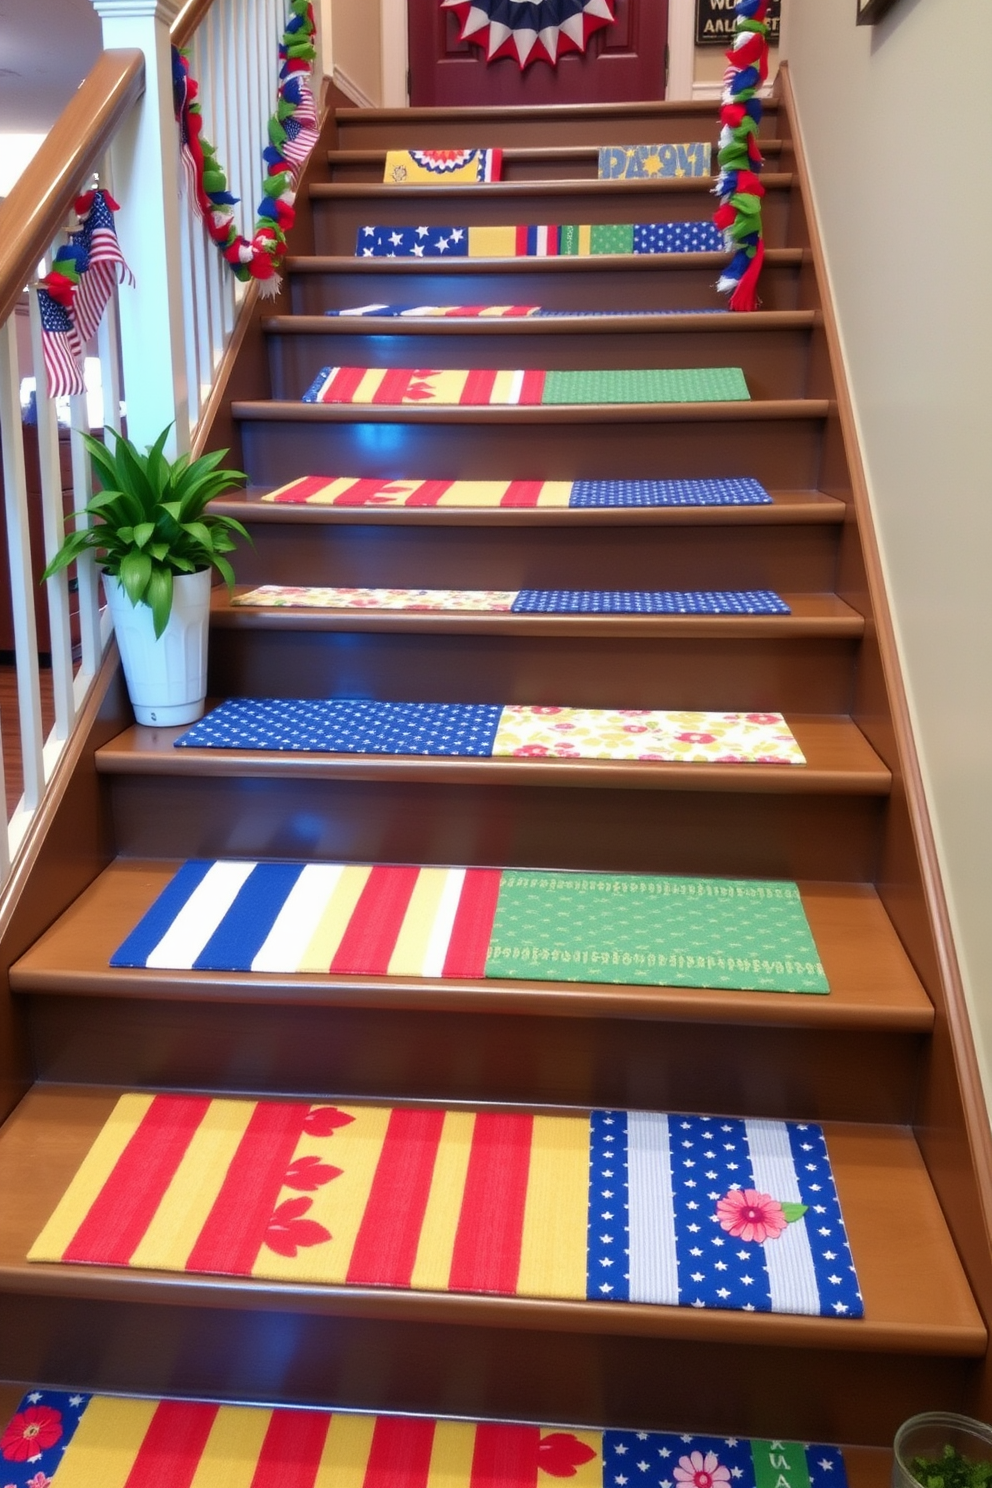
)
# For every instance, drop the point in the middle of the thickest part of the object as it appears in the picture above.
(699, 1471)
(561, 1454)
(30, 1433)
(749, 1215)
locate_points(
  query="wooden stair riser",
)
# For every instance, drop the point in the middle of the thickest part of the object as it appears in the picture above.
(774, 362)
(424, 821)
(800, 676)
(280, 442)
(753, 556)
(341, 211)
(643, 285)
(628, 124)
(278, 1047)
(529, 163)
(286, 1357)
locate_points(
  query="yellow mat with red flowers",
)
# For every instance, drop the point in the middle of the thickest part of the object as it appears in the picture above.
(60, 1439)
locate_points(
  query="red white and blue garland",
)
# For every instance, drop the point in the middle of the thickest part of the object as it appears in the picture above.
(73, 297)
(740, 159)
(530, 30)
(293, 131)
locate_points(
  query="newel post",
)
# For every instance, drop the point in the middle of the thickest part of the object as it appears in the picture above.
(146, 171)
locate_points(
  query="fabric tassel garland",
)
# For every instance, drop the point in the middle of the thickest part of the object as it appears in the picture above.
(542, 30)
(740, 191)
(293, 131)
(73, 297)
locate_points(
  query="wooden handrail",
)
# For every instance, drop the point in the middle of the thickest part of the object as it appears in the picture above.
(39, 202)
(187, 21)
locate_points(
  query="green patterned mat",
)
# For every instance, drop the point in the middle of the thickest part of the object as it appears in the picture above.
(747, 934)
(647, 385)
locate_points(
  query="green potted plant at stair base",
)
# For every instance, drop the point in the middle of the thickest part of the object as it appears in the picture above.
(941, 1449)
(157, 547)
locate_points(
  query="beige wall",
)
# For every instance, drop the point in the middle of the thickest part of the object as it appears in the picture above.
(357, 46)
(894, 118)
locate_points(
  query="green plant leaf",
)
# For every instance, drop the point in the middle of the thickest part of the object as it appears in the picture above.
(135, 571)
(793, 1212)
(143, 533)
(159, 596)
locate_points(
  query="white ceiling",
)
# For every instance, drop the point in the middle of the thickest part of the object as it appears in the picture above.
(46, 49)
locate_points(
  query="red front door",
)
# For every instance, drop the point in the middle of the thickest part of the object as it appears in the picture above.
(623, 62)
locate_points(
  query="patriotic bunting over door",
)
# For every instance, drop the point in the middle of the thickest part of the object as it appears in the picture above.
(530, 30)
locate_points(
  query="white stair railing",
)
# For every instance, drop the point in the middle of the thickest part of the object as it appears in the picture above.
(31, 220)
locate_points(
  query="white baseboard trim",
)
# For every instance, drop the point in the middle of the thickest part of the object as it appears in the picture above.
(352, 90)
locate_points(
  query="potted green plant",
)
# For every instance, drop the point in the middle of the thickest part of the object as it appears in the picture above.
(157, 547)
(941, 1449)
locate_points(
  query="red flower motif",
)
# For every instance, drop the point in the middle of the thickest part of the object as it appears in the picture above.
(749, 1215)
(309, 1173)
(696, 738)
(30, 1433)
(762, 718)
(697, 1471)
(635, 728)
(288, 1232)
(40, 1480)
(531, 749)
(542, 711)
(561, 1454)
(322, 1121)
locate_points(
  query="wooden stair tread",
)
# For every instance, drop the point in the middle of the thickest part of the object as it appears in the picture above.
(917, 1299)
(840, 761)
(493, 191)
(754, 410)
(787, 508)
(873, 983)
(486, 113)
(812, 615)
(560, 264)
(561, 323)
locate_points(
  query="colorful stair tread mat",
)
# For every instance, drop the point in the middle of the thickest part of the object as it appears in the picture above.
(352, 490)
(654, 162)
(494, 731)
(498, 312)
(518, 601)
(478, 923)
(533, 240)
(105, 1441)
(606, 1206)
(441, 167)
(487, 387)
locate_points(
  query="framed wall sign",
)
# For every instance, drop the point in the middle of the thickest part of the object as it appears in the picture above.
(870, 11)
(715, 22)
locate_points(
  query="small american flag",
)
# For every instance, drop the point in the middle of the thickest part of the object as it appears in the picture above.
(61, 346)
(104, 267)
(302, 131)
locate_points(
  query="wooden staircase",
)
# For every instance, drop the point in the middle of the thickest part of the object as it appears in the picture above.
(883, 1061)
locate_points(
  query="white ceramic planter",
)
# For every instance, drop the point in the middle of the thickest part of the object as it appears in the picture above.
(166, 678)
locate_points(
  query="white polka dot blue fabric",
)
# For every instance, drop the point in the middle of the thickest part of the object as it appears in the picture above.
(347, 726)
(735, 491)
(649, 602)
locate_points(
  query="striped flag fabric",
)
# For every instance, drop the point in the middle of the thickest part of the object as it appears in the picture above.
(350, 919)
(494, 731)
(61, 1440)
(62, 347)
(517, 601)
(442, 167)
(488, 387)
(530, 240)
(611, 1206)
(353, 490)
(103, 267)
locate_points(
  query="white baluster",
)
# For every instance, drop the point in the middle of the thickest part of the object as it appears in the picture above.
(21, 580)
(53, 525)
